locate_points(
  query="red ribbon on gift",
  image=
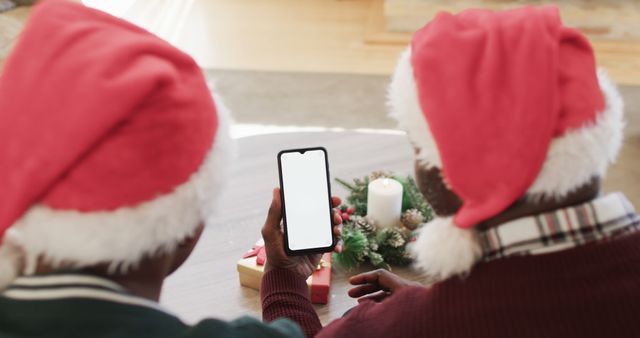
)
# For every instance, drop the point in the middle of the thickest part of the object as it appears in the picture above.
(321, 281)
(257, 251)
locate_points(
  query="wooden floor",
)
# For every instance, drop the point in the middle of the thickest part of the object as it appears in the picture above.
(326, 36)
(331, 36)
(278, 35)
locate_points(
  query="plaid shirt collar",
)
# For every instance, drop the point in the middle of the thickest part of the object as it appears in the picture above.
(600, 219)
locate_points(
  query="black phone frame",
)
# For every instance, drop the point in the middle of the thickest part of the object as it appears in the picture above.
(288, 250)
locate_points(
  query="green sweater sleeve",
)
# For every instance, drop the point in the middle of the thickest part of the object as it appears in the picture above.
(244, 327)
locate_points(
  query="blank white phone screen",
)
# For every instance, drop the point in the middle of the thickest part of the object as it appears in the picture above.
(306, 199)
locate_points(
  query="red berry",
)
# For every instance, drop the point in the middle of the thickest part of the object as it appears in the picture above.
(350, 210)
(345, 217)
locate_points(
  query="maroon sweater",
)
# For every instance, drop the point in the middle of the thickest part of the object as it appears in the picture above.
(588, 291)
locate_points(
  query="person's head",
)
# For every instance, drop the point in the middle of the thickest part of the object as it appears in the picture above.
(504, 109)
(112, 150)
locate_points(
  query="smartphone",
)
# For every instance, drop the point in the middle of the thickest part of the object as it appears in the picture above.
(306, 200)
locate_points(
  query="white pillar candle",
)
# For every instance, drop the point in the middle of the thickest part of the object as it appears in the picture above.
(384, 202)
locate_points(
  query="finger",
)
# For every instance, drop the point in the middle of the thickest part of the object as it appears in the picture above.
(336, 218)
(339, 247)
(361, 290)
(336, 201)
(384, 278)
(337, 230)
(366, 277)
(272, 223)
(314, 260)
(376, 296)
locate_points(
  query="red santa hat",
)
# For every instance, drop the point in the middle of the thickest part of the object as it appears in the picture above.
(111, 146)
(507, 104)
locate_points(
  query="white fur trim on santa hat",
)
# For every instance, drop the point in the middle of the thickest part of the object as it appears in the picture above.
(443, 250)
(572, 160)
(11, 258)
(126, 235)
(402, 99)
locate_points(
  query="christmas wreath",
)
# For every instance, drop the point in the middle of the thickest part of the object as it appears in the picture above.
(381, 247)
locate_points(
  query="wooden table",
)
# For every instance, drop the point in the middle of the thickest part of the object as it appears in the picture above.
(207, 285)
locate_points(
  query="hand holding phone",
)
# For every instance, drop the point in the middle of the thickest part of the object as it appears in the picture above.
(303, 256)
(303, 265)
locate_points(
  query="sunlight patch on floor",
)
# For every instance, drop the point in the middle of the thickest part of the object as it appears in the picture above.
(114, 7)
(244, 130)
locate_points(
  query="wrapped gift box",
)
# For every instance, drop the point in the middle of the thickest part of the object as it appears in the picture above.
(251, 267)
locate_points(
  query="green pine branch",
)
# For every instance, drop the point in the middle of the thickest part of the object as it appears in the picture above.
(345, 184)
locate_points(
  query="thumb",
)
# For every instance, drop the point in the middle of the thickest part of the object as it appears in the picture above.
(272, 224)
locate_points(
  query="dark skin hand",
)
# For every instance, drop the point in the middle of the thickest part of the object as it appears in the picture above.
(443, 201)
(377, 285)
(273, 237)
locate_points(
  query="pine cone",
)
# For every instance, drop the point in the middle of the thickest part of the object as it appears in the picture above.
(380, 174)
(373, 246)
(395, 238)
(376, 259)
(366, 225)
(412, 218)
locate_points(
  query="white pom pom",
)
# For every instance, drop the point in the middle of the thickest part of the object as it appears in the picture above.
(443, 250)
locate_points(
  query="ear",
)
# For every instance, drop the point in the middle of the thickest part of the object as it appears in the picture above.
(191, 241)
(433, 187)
(184, 248)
